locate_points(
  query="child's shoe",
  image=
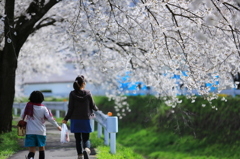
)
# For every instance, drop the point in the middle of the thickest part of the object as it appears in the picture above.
(80, 157)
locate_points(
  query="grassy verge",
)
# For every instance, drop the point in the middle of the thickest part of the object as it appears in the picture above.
(9, 143)
(122, 153)
(103, 151)
(155, 133)
(165, 145)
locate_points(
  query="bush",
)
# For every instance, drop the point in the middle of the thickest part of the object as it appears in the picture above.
(191, 132)
(219, 125)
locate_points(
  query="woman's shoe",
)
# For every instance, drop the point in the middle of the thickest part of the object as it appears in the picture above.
(86, 153)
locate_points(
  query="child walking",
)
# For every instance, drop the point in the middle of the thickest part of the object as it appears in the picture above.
(36, 114)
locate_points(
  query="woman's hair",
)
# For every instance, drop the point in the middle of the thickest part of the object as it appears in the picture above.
(78, 82)
(36, 97)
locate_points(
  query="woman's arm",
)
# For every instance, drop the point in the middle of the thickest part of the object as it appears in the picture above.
(92, 104)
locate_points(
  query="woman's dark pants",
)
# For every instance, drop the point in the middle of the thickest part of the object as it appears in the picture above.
(82, 138)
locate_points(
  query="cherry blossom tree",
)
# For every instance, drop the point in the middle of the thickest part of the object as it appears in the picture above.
(152, 40)
(40, 57)
(155, 40)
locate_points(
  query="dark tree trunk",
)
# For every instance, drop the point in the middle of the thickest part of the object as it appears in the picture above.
(8, 65)
(16, 33)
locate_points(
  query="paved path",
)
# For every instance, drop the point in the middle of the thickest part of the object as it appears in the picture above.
(54, 149)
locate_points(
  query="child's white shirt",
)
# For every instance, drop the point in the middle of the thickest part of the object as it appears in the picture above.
(36, 125)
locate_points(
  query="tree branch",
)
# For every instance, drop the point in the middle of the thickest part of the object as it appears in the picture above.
(219, 11)
(234, 39)
(46, 22)
(112, 10)
(227, 4)
(24, 26)
(166, 43)
(176, 23)
(151, 13)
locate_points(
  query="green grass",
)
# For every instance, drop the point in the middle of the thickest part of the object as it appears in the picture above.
(163, 145)
(95, 141)
(153, 134)
(59, 120)
(103, 151)
(9, 143)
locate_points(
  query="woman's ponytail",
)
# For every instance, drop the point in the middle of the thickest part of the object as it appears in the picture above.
(78, 82)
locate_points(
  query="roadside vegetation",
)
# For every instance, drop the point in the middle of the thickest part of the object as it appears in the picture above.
(189, 131)
(196, 130)
(172, 146)
(103, 151)
(9, 143)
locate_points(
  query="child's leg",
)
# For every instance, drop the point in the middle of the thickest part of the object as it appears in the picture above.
(31, 153)
(41, 141)
(41, 152)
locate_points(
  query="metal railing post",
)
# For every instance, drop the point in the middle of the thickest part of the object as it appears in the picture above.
(99, 130)
(15, 111)
(113, 143)
(106, 137)
(57, 113)
(112, 128)
(92, 123)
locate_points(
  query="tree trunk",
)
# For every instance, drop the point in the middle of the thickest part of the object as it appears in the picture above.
(7, 91)
(8, 65)
(15, 36)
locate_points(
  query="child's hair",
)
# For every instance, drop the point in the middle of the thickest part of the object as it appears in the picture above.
(78, 82)
(36, 97)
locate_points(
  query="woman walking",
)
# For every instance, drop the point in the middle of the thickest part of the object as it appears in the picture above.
(36, 114)
(80, 109)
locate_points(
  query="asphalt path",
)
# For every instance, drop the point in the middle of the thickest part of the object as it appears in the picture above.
(54, 148)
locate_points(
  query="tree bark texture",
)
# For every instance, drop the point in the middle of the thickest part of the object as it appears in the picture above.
(8, 63)
(15, 37)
